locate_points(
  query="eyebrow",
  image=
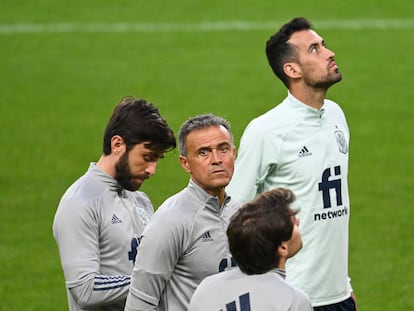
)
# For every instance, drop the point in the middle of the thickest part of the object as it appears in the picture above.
(319, 43)
(155, 154)
(215, 147)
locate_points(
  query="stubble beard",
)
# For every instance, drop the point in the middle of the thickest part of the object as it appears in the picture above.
(329, 81)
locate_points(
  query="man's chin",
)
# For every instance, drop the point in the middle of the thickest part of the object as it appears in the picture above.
(134, 186)
(222, 183)
(130, 185)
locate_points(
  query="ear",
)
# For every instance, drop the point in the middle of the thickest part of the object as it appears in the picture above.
(282, 254)
(118, 146)
(282, 250)
(292, 70)
(184, 164)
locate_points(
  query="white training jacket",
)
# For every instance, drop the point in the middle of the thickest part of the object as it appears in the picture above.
(306, 150)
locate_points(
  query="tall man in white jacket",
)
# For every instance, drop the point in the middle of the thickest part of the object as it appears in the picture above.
(303, 144)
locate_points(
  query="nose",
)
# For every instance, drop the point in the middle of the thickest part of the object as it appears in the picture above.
(331, 54)
(151, 168)
(297, 221)
(215, 156)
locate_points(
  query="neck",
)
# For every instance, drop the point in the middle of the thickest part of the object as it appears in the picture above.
(216, 192)
(282, 263)
(312, 97)
(219, 195)
(106, 163)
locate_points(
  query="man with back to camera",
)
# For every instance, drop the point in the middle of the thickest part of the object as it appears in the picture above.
(101, 217)
(186, 239)
(262, 235)
(302, 144)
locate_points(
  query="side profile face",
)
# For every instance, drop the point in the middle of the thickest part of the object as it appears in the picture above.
(316, 62)
(136, 165)
(295, 242)
(210, 158)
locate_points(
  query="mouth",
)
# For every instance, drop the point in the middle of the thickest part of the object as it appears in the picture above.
(333, 65)
(218, 172)
(140, 178)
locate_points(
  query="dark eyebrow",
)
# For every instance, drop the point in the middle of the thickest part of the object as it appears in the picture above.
(155, 154)
(224, 143)
(316, 44)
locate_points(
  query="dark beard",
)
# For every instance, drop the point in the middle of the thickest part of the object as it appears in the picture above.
(123, 174)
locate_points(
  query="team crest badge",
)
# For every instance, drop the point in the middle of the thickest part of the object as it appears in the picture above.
(341, 141)
(143, 215)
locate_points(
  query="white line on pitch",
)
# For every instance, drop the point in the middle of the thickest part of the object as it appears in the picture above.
(75, 27)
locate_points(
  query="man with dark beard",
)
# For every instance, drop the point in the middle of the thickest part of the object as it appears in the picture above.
(100, 218)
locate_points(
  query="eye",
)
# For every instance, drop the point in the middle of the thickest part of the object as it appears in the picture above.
(203, 153)
(223, 149)
(149, 158)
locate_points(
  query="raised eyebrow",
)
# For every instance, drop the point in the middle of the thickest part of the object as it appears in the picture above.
(224, 143)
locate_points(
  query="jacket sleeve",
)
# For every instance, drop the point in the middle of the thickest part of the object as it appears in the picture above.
(160, 249)
(76, 231)
(252, 165)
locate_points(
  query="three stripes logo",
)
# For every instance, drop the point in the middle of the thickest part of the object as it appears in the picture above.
(304, 152)
(206, 237)
(115, 219)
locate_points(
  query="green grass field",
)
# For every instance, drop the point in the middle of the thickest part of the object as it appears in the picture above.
(64, 65)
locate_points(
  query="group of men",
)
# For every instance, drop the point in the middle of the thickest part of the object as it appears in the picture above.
(230, 240)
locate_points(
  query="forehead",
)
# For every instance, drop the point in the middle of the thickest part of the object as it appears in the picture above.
(209, 136)
(305, 38)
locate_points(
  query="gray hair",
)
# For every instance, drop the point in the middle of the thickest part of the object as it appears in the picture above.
(200, 122)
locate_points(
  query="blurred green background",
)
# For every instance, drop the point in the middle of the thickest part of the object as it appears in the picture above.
(64, 66)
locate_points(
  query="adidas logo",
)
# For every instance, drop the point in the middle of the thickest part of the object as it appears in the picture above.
(115, 219)
(206, 237)
(304, 152)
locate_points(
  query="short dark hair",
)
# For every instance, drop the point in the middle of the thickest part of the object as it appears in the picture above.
(279, 52)
(136, 121)
(200, 122)
(258, 229)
